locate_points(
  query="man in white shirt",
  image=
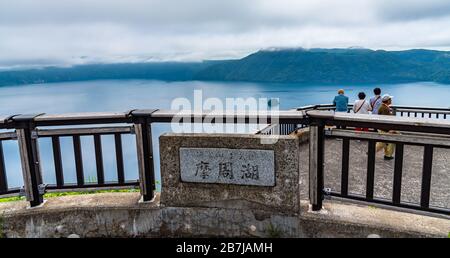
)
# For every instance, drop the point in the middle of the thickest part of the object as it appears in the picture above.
(361, 106)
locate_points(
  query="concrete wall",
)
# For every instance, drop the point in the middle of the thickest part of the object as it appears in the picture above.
(121, 215)
(191, 210)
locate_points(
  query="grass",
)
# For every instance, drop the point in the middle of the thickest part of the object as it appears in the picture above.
(92, 179)
(58, 194)
(12, 199)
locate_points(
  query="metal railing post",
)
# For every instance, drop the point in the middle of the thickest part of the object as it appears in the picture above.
(316, 160)
(29, 155)
(142, 120)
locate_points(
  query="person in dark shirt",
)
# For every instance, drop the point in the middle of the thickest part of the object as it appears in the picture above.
(385, 110)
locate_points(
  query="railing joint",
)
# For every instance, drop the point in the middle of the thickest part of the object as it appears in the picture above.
(326, 193)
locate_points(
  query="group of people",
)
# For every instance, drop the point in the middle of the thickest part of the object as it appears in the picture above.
(377, 105)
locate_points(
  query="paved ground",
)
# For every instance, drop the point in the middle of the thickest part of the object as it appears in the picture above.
(384, 170)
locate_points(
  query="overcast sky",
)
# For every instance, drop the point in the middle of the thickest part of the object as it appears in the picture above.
(65, 32)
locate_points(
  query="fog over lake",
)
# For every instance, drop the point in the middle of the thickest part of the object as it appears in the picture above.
(123, 95)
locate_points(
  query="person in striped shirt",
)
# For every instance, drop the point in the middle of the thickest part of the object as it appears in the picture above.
(375, 101)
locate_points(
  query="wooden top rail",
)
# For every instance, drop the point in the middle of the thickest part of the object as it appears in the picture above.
(83, 118)
(428, 111)
(411, 139)
(8, 136)
(155, 115)
(84, 131)
(395, 107)
(421, 108)
(284, 116)
(239, 116)
(383, 122)
(3, 119)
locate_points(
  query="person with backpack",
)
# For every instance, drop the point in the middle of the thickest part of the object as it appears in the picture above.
(362, 106)
(375, 101)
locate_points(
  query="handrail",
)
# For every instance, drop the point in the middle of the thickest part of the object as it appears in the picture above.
(164, 115)
(415, 124)
(319, 106)
(412, 121)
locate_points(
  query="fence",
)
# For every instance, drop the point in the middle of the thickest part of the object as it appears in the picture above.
(428, 133)
(29, 128)
(400, 111)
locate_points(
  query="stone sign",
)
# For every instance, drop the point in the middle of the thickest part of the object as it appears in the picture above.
(231, 170)
(227, 166)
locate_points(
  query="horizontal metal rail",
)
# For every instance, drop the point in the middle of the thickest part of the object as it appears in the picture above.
(84, 131)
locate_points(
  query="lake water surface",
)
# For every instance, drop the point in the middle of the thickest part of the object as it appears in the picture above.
(123, 95)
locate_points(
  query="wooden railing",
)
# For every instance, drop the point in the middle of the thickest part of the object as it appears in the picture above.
(27, 129)
(429, 133)
(400, 111)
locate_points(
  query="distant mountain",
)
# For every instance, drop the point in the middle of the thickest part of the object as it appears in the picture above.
(324, 66)
(168, 71)
(334, 66)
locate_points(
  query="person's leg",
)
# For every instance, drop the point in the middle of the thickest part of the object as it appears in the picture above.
(389, 150)
(380, 146)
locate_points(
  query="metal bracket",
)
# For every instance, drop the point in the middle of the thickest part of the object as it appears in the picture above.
(34, 134)
(327, 193)
(22, 191)
(42, 190)
(143, 112)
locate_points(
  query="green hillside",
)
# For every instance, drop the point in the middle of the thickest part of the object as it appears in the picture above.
(324, 66)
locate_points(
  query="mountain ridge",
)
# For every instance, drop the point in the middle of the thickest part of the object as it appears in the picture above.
(295, 65)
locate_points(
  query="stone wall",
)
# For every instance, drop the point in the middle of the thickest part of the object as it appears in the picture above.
(121, 215)
(216, 210)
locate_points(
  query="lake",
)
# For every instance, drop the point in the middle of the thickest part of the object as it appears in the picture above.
(123, 95)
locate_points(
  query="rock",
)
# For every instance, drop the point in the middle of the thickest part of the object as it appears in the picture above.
(73, 236)
(373, 236)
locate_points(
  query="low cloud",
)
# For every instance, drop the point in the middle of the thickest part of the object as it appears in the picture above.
(73, 32)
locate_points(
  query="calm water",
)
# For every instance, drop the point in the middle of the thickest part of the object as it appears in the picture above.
(124, 95)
